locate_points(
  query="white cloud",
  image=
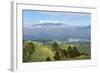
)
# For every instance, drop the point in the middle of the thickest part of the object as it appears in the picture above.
(50, 21)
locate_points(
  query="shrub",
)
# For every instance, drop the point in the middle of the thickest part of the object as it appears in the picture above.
(48, 59)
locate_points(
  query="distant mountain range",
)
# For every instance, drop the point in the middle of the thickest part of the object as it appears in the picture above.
(49, 24)
(56, 31)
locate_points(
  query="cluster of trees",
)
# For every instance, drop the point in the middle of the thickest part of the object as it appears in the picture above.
(28, 50)
(61, 54)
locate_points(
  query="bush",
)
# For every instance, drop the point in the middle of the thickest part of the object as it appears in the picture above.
(48, 59)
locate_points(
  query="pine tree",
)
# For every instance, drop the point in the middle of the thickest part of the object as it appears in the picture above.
(70, 51)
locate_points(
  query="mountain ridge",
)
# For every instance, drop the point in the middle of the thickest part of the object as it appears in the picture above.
(57, 32)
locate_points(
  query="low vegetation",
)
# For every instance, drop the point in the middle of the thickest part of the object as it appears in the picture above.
(34, 51)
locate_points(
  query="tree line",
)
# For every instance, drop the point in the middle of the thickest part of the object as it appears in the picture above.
(61, 54)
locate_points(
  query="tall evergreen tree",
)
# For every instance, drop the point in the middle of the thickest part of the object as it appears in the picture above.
(70, 52)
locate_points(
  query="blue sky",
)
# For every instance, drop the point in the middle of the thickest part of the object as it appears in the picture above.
(31, 17)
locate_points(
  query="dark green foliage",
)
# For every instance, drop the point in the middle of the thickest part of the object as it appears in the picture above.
(60, 54)
(30, 46)
(28, 50)
(64, 53)
(57, 56)
(57, 51)
(55, 47)
(48, 59)
(70, 52)
(26, 56)
(75, 52)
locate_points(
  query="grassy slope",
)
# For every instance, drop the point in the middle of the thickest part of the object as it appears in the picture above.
(42, 52)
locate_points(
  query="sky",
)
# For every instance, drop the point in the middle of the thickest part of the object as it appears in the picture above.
(31, 17)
